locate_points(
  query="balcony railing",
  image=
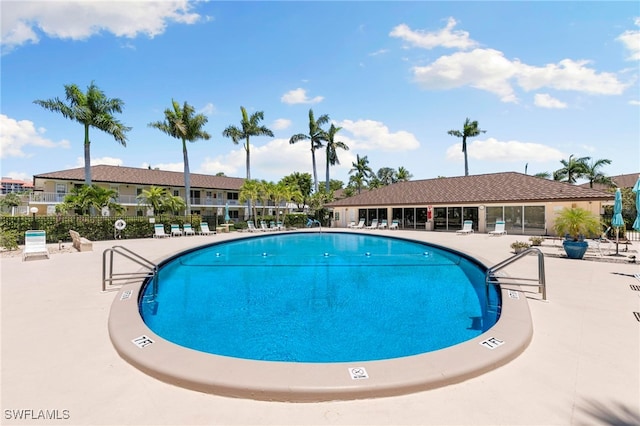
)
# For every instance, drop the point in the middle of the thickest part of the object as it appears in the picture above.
(129, 200)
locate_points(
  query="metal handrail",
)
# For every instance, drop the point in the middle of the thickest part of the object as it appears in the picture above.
(125, 252)
(541, 281)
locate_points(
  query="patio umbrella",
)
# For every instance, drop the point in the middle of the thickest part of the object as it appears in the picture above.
(617, 220)
(636, 189)
(226, 213)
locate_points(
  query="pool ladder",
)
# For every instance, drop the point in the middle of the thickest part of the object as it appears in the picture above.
(108, 276)
(540, 282)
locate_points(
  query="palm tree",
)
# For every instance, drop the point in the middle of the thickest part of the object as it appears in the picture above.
(594, 175)
(469, 130)
(316, 136)
(574, 169)
(91, 109)
(249, 126)
(362, 172)
(403, 175)
(152, 197)
(86, 198)
(386, 176)
(332, 154)
(184, 124)
(249, 191)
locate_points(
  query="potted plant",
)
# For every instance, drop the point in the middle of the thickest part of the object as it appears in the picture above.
(536, 241)
(519, 246)
(576, 224)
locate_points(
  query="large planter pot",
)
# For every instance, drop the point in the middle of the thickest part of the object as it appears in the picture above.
(575, 249)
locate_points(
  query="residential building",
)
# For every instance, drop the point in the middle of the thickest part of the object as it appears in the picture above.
(619, 181)
(209, 194)
(10, 185)
(526, 203)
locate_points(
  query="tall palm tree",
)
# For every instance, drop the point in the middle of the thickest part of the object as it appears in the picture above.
(362, 171)
(91, 109)
(469, 130)
(403, 175)
(594, 175)
(572, 170)
(316, 136)
(184, 124)
(332, 154)
(386, 176)
(249, 126)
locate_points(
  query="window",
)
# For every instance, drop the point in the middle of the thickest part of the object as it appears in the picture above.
(232, 195)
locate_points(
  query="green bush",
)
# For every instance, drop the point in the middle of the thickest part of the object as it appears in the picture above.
(9, 239)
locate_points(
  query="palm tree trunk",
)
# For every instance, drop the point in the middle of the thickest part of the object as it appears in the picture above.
(187, 177)
(464, 150)
(326, 185)
(246, 148)
(315, 173)
(87, 156)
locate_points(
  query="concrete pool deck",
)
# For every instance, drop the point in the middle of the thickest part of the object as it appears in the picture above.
(581, 367)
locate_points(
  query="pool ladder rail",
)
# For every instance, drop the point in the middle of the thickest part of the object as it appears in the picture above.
(540, 282)
(109, 277)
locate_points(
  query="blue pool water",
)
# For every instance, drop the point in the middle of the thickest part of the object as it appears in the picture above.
(311, 297)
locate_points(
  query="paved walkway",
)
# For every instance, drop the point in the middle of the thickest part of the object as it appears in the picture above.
(582, 366)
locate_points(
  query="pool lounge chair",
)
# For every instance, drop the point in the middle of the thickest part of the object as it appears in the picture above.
(394, 224)
(467, 228)
(158, 230)
(35, 244)
(251, 227)
(499, 229)
(204, 229)
(360, 224)
(188, 230)
(374, 224)
(382, 224)
(175, 230)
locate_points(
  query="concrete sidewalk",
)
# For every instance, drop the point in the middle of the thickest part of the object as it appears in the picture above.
(582, 366)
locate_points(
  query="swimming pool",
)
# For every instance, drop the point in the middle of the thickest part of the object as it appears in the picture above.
(390, 349)
(331, 297)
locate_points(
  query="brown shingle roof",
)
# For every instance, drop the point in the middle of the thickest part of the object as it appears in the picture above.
(620, 181)
(490, 188)
(137, 176)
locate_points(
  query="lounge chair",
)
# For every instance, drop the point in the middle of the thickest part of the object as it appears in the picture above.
(204, 229)
(374, 224)
(159, 231)
(394, 224)
(35, 244)
(175, 230)
(264, 227)
(351, 224)
(280, 226)
(251, 227)
(360, 224)
(499, 229)
(188, 230)
(467, 228)
(383, 224)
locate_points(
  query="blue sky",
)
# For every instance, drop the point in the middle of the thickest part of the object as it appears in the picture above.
(544, 79)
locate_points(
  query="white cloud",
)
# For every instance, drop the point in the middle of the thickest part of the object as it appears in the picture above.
(374, 135)
(23, 21)
(544, 100)
(634, 102)
(18, 176)
(109, 161)
(281, 123)
(508, 151)
(485, 69)
(379, 52)
(18, 135)
(299, 96)
(445, 37)
(208, 110)
(631, 40)
(170, 167)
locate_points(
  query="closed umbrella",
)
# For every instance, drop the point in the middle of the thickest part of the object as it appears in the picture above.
(226, 213)
(617, 220)
(636, 189)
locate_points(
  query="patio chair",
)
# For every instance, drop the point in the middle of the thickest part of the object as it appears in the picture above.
(383, 224)
(204, 229)
(374, 224)
(467, 228)
(360, 224)
(264, 227)
(394, 224)
(499, 229)
(35, 244)
(159, 231)
(251, 227)
(351, 224)
(175, 230)
(188, 230)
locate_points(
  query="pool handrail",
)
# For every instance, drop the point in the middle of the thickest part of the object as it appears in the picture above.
(491, 279)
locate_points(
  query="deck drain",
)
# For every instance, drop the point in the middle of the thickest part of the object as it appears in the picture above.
(637, 315)
(635, 287)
